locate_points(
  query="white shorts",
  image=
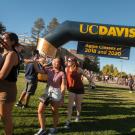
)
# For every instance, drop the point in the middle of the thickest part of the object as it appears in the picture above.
(54, 93)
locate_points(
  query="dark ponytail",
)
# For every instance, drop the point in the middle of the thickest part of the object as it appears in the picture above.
(13, 37)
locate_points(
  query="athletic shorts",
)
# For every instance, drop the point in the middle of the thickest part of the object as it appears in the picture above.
(8, 91)
(30, 87)
(54, 93)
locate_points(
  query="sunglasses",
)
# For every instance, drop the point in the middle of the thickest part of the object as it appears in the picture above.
(69, 60)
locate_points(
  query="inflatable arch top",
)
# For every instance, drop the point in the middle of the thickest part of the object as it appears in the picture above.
(104, 34)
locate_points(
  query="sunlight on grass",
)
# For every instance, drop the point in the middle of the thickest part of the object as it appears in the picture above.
(105, 111)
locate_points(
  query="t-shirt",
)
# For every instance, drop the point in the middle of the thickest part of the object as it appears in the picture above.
(30, 73)
(54, 77)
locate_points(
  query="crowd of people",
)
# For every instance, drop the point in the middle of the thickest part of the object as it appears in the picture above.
(61, 77)
(125, 81)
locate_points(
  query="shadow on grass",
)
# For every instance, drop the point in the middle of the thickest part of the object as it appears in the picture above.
(119, 125)
(111, 88)
(110, 112)
(104, 109)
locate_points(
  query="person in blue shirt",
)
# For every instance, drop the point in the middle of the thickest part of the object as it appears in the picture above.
(31, 81)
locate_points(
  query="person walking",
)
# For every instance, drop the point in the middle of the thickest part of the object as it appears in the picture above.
(55, 90)
(130, 83)
(75, 88)
(31, 80)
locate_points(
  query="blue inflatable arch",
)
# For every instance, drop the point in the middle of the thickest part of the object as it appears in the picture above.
(91, 32)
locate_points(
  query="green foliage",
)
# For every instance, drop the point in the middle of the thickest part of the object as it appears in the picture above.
(52, 25)
(122, 74)
(38, 27)
(40, 30)
(91, 65)
(115, 72)
(112, 71)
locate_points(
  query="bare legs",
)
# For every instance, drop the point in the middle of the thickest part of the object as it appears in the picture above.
(6, 116)
(24, 98)
(41, 118)
(78, 100)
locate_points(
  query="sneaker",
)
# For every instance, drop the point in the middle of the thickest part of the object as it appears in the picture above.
(41, 132)
(77, 118)
(18, 104)
(24, 106)
(52, 131)
(67, 124)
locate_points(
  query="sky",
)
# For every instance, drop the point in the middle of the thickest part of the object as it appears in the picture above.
(19, 16)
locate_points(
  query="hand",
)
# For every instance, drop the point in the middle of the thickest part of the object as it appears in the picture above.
(41, 60)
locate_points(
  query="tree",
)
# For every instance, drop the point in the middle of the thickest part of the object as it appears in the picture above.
(2, 28)
(37, 29)
(111, 70)
(52, 25)
(96, 63)
(91, 65)
(86, 63)
(115, 72)
(121, 74)
(105, 70)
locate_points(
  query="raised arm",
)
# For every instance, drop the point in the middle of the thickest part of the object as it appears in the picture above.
(38, 70)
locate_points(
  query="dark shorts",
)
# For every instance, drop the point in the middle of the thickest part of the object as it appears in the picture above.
(30, 87)
(8, 91)
(76, 90)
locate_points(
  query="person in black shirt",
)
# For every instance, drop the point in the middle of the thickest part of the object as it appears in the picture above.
(8, 78)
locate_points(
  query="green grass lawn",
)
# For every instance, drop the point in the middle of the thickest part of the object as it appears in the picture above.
(105, 111)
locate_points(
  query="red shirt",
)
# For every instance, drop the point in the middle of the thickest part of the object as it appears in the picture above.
(74, 81)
